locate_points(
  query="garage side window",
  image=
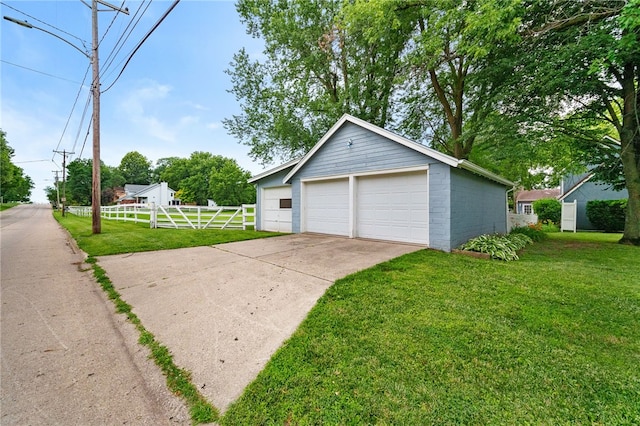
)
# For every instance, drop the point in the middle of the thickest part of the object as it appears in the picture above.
(285, 203)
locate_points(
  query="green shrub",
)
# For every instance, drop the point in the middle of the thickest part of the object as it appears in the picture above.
(519, 240)
(530, 231)
(607, 215)
(502, 247)
(548, 209)
(549, 226)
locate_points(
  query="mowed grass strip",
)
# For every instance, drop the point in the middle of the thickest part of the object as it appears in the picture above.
(437, 338)
(127, 237)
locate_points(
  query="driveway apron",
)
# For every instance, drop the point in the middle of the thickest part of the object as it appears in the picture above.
(224, 310)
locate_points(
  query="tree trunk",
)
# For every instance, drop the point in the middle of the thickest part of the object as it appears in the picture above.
(630, 154)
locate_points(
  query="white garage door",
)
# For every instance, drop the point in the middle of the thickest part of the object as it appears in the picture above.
(276, 209)
(326, 207)
(393, 207)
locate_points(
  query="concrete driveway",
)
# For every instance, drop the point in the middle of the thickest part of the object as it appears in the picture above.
(224, 310)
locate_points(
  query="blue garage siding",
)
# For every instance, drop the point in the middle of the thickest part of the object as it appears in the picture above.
(439, 206)
(475, 205)
(368, 152)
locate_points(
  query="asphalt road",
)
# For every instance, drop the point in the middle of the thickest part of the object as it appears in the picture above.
(67, 358)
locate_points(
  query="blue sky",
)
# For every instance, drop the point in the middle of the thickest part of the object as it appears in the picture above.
(170, 100)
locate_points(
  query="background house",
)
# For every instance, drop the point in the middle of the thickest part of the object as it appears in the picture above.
(524, 199)
(582, 189)
(158, 193)
(363, 181)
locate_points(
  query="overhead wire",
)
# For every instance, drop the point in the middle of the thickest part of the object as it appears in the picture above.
(162, 18)
(86, 136)
(133, 23)
(72, 108)
(112, 21)
(39, 72)
(84, 114)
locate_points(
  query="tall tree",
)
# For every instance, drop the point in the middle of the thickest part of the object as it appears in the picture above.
(229, 186)
(205, 176)
(78, 185)
(14, 184)
(135, 168)
(443, 101)
(316, 67)
(578, 65)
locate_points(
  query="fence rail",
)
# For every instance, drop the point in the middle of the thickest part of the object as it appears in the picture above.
(203, 217)
(193, 217)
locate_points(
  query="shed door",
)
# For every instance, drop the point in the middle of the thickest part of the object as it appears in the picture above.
(326, 207)
(393, 207)
(276, 209)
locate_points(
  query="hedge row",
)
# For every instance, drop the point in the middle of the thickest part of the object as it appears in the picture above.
(607, 215)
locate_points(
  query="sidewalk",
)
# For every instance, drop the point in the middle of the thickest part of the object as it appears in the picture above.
(67, 358)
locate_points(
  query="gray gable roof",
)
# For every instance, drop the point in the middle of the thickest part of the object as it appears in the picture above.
(273, 171)
(446, 159)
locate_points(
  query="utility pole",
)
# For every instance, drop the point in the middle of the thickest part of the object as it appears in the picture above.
(64, 177)
(96, 192)
(95, 89)
(57, 187)
(96, 224)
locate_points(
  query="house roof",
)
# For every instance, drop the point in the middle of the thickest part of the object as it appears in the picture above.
(444, 158)
(537, 194)
(133, 191)
(133, 188)
(274, 170)
(576, 186)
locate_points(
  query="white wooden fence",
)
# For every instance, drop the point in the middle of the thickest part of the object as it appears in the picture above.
(519, 220)
(194, 217)
(204, 217)
(569, 216)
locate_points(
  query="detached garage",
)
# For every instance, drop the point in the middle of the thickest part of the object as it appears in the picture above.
(361, 181)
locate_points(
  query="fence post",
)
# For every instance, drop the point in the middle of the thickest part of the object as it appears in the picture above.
(569, 218)
(153, 215)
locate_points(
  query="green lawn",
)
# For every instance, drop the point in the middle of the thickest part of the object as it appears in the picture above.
(128, 237)
(436, 338)
(5, 206)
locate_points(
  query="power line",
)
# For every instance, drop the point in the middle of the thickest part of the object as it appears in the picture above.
(84, 114)
(39, 72)
(73, 108)
(29, 161)
(175, 3)
(120, 43)
(112, 21)
(86, 136)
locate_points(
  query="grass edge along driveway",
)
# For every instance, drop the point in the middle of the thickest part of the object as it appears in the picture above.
(127, 237)
(436, 338)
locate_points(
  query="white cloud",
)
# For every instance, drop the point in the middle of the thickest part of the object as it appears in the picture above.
(188, 120)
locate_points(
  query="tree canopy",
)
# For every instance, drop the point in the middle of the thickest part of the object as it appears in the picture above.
(575, 74)
(205, 176)
(14, 184)
(200, 177)
(525, 88)
(135, 168)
